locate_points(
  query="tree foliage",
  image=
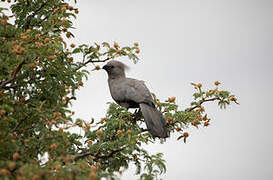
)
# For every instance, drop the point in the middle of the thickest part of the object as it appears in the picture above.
(39, 76)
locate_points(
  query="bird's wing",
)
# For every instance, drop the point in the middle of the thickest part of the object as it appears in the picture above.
(137, 91)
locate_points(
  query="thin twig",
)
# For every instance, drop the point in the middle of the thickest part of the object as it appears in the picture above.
(19, 123)
(92, 61)
(52, 137)
(13, 75)
(98, 156)
(204, 100)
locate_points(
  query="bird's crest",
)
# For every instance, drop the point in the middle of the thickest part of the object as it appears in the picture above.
(119, 64)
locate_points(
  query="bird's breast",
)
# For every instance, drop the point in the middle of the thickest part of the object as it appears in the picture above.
(116, 90)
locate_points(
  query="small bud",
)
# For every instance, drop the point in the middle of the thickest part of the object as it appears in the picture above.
(97, 67)
(3, 112)
(24, 37)
(128, 131)
(116, 45)
(118, 51)
(199, 85)
(51, 58)
(70, 59)
(137, 51)
(60, 39)
(87, 127)
(206, 123)
(76, 11)
(53, 146)
(32, 65)
(16, 156)
(63, 8)
(216, 91)
(232, 98)
(171, 99)
(72, 45)
(217, 83)
(64, 20)
(68, 34)
(37, 36)
(53, 122)
(13, 43)
(99, 132)
(4, 39)
(55, 10)
(119, 132)
(136, 43)
(70, 8)
(12, 166)
(204, 118)
(186, 134)
(195, 123)
(57, 114)
(4, 21)
(17, 102)
(169, 120)
(4, 172)
(90, 142)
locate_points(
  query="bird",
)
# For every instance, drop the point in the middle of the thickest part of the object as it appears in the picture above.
(133, 93)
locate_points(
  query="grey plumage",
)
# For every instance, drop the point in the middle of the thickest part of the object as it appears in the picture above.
(132, 93)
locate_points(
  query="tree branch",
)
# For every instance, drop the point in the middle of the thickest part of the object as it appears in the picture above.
(203, 100)
(92, 61)
(19, 123)
(96, 61)
(98, 156)
(4, 83)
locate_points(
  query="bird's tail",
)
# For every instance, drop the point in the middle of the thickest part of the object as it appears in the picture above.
(154, 120)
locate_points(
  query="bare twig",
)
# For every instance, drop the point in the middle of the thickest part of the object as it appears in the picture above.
(203, 100)
(96, 61)
(144, 130)
(93, 61)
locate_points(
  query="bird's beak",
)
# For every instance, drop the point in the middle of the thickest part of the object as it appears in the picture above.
(105, 67)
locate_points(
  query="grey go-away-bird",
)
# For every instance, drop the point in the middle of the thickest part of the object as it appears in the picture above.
(132, 93)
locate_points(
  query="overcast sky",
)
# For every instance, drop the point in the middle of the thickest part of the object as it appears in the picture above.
(184, 41)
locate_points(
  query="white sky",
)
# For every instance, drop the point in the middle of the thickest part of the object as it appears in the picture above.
(194, 41)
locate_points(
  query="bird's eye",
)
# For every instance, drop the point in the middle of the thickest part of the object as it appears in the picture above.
(111, 67)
